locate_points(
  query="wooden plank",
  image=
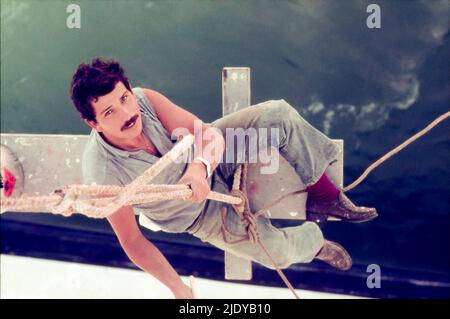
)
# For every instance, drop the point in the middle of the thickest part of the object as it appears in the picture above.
(49, 161)
(236, 94)
(236, 90)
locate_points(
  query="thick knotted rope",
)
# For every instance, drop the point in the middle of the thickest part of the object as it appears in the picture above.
(249, 220)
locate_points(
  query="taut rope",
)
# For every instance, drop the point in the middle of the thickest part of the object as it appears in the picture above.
(249, 219)
(396, 150)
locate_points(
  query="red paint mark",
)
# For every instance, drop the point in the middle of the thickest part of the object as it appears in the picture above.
(10, 182)
(49, 151)
(253, 188)
(77, 181)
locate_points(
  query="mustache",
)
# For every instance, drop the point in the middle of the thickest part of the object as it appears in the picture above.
(133, 119)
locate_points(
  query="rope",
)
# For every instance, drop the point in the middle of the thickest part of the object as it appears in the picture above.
(396, 150)
(72, 193)
(248, 218)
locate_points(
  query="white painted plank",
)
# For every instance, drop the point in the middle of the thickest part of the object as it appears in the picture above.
(236, 94)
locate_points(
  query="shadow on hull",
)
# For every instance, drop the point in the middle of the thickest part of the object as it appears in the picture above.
(82, 240)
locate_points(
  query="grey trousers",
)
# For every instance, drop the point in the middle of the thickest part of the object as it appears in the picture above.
(307, 149)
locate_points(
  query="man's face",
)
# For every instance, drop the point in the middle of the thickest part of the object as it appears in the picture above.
(115, 112)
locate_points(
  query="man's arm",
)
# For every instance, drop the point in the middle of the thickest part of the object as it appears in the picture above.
(144, 254)
(173, 117)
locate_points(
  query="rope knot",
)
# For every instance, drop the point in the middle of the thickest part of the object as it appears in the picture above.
(239, 208)
(248, 220)
(65, 206)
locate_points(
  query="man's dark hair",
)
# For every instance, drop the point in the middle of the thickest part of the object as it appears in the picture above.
(93, 80)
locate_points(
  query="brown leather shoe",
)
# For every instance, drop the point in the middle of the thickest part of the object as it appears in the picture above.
(341, 208)
(335, 255)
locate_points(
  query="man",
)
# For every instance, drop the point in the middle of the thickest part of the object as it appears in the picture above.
(133, 127)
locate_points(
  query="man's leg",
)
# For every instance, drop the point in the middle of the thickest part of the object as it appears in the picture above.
(307, 149)
(286, 246)
(298, 244)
